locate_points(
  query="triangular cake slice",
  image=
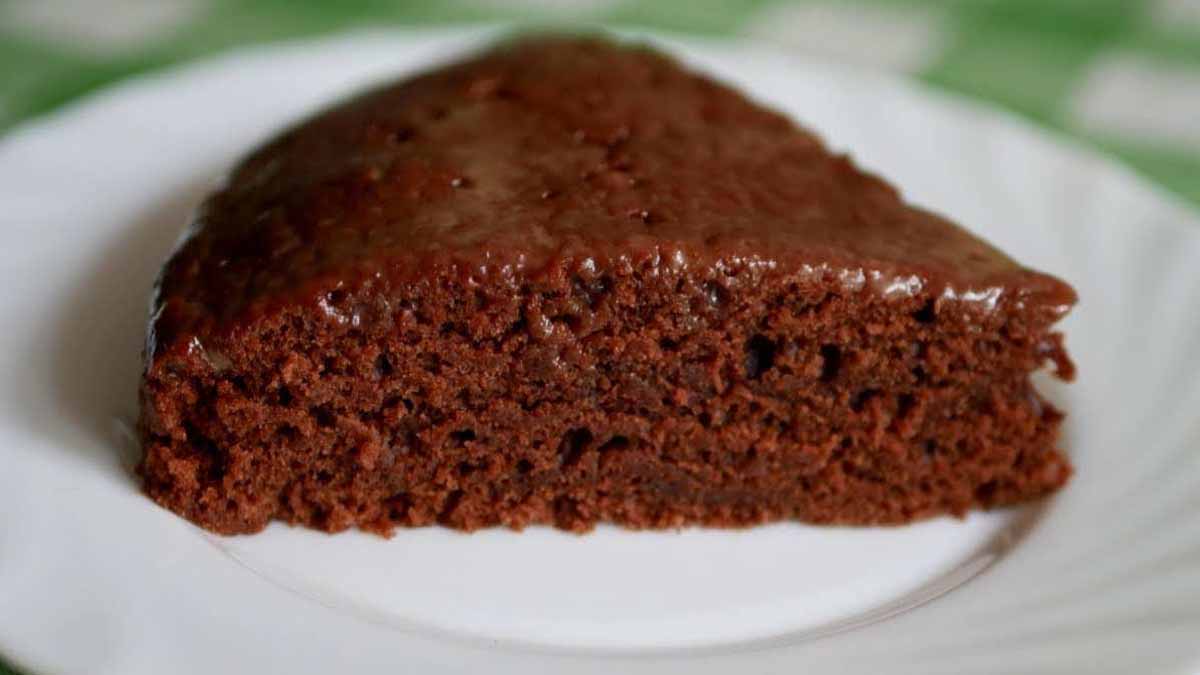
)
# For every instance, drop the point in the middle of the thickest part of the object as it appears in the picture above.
(569, 282)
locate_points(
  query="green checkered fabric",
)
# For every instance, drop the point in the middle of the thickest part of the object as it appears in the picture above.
(1121, 75)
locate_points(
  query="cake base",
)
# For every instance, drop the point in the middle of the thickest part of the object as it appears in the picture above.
(643, 397)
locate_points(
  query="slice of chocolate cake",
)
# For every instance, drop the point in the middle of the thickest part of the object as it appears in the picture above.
(568, 282)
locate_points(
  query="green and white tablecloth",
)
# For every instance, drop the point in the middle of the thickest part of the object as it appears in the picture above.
(1122, 75)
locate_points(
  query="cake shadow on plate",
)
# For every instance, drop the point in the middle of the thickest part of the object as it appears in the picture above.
(94, 350)
(94, 343)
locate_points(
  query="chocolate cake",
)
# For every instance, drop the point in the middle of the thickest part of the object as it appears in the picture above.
(566, 282)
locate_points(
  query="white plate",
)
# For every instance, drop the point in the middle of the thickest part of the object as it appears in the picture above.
(95, 579)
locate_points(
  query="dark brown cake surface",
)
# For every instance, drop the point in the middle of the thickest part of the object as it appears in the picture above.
(568, 281)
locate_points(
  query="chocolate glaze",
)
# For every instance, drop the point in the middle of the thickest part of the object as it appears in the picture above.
(558, 154)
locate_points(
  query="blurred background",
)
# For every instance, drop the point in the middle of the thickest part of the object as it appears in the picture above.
(1120, 75)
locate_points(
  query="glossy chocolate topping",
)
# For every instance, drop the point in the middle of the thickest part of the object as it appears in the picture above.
(560, 149)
